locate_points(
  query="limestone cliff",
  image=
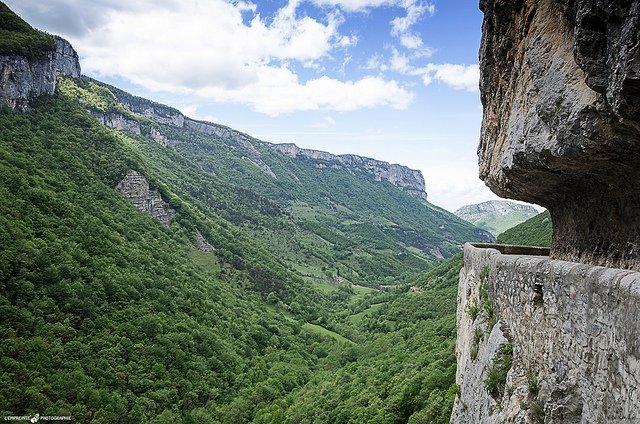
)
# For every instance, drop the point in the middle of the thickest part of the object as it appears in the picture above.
(555, 340)
(406, 179)
(22, 78)
(493, 208)
(560, 86)
(570, 331)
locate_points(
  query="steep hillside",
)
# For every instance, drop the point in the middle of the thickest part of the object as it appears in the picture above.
(326, 217)
(110, 314)
(535, 231)
(496, 216)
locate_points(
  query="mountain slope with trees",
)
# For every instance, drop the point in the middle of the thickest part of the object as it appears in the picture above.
(536, 231)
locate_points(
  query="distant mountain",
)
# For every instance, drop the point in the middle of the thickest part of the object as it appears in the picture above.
(536, 231)
(496, 216)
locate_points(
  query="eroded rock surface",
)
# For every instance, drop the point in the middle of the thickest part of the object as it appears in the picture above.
(135, 187)
(117, 121)
(202, 243)
(560, 85)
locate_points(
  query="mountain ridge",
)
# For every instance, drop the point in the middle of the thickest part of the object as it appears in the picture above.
(496, 216)
(406, 179)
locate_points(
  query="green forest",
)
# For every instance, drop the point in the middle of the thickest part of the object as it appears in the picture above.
(18, 37)
(110, 317)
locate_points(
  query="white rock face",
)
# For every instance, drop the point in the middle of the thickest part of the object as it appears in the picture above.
(493, 208)
(574, 333)
(117, 121)
(135, 187)
(560, 88)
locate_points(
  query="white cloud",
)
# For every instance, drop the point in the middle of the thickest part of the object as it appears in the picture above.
(327, 122)
(415, 10)
(277, 91)
(400, 25)
(192, 112)
(411, 41)
(459, 77)
(355, 5)
(348, 41)
(374, 62)
(228, 52)
(400, 63)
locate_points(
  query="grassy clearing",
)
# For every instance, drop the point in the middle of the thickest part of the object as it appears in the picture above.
(357, 318)
(206, 261)
(321, 330)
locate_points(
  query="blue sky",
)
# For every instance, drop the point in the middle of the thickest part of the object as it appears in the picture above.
(391, 79)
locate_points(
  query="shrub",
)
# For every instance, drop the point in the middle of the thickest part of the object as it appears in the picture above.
(497, 375)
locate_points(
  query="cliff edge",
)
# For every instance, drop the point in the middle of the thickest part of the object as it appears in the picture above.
(406, 179)
(545, 341)
(555, 339)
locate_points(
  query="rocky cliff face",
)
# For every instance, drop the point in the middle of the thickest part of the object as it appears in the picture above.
(22, 79)
(570, 331)
(404, 178)
(560, 85)
(135, 187)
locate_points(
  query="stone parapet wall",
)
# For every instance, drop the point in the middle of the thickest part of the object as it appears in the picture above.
(574, 331)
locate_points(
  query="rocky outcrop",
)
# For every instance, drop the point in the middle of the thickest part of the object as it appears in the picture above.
(250, 153)
(22, 79)
(65, 59)
(202, 243)
(158, 137)
(572, 330)
(156, 112)
(560, 86)
(135, 187)
(406, 179)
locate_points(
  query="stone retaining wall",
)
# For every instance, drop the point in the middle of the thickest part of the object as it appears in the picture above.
(574, 330)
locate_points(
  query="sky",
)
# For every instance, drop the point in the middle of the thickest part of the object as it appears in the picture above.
(396, 80)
